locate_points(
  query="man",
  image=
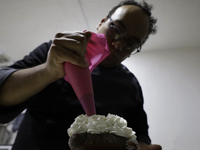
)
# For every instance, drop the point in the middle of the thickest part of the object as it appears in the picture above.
(37, 83)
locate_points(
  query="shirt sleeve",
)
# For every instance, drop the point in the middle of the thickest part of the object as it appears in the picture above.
(36, 57)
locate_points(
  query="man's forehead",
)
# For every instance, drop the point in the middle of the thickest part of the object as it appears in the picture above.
(127, 10)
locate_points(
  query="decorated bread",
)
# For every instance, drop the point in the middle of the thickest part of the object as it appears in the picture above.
(98, 132)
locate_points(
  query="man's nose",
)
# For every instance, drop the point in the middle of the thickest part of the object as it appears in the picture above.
(118, 45)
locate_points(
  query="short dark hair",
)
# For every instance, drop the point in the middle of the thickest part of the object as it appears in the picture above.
(146, 8)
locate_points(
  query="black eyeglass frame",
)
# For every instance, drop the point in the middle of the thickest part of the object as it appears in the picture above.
(136, 50)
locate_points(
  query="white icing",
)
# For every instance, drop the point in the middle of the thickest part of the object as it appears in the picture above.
(97, 124)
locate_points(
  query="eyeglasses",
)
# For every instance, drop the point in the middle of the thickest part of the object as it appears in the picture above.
(115, 33)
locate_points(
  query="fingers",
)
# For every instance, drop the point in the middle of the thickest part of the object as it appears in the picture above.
(62, 55)
(71, 47)
(73, 41)
(143, 146)
(155, 147)
(88, 35)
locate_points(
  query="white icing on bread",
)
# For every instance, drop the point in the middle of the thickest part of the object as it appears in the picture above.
(97, 124)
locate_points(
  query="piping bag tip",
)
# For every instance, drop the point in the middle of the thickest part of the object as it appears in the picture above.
(81, 82)
(88, 104)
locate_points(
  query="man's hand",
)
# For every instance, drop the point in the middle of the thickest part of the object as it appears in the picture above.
(143, 146)
(67, 47)
(24, 83)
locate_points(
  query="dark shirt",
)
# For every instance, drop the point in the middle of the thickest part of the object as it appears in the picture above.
(51, 112)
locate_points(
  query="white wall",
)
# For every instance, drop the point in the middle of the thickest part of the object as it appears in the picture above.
(170, 81)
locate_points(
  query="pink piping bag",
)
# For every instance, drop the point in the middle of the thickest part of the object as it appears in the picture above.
(80, 78)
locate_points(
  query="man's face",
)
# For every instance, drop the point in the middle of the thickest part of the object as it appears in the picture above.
(133, 23)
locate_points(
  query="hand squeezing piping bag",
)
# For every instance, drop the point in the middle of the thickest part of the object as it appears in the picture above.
(80, 78)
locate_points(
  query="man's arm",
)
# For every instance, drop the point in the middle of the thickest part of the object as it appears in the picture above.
(24, 83)
(140, 125)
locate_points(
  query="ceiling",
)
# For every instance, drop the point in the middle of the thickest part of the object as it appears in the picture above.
(26, 24)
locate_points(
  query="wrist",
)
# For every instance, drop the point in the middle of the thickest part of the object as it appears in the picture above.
(52, 73)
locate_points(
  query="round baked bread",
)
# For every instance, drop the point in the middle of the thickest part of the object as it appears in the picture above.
(98, 132)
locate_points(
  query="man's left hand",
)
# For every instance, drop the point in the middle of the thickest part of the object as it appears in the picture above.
(143, 146)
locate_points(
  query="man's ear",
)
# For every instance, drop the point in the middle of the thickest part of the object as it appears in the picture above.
(101, 22)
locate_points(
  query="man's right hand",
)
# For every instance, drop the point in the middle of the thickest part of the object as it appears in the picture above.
(67, 47)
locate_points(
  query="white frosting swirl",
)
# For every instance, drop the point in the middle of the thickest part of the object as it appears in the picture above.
(97, 124)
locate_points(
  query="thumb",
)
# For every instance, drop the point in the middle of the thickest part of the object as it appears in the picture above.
(88, 35)
(154, 147)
